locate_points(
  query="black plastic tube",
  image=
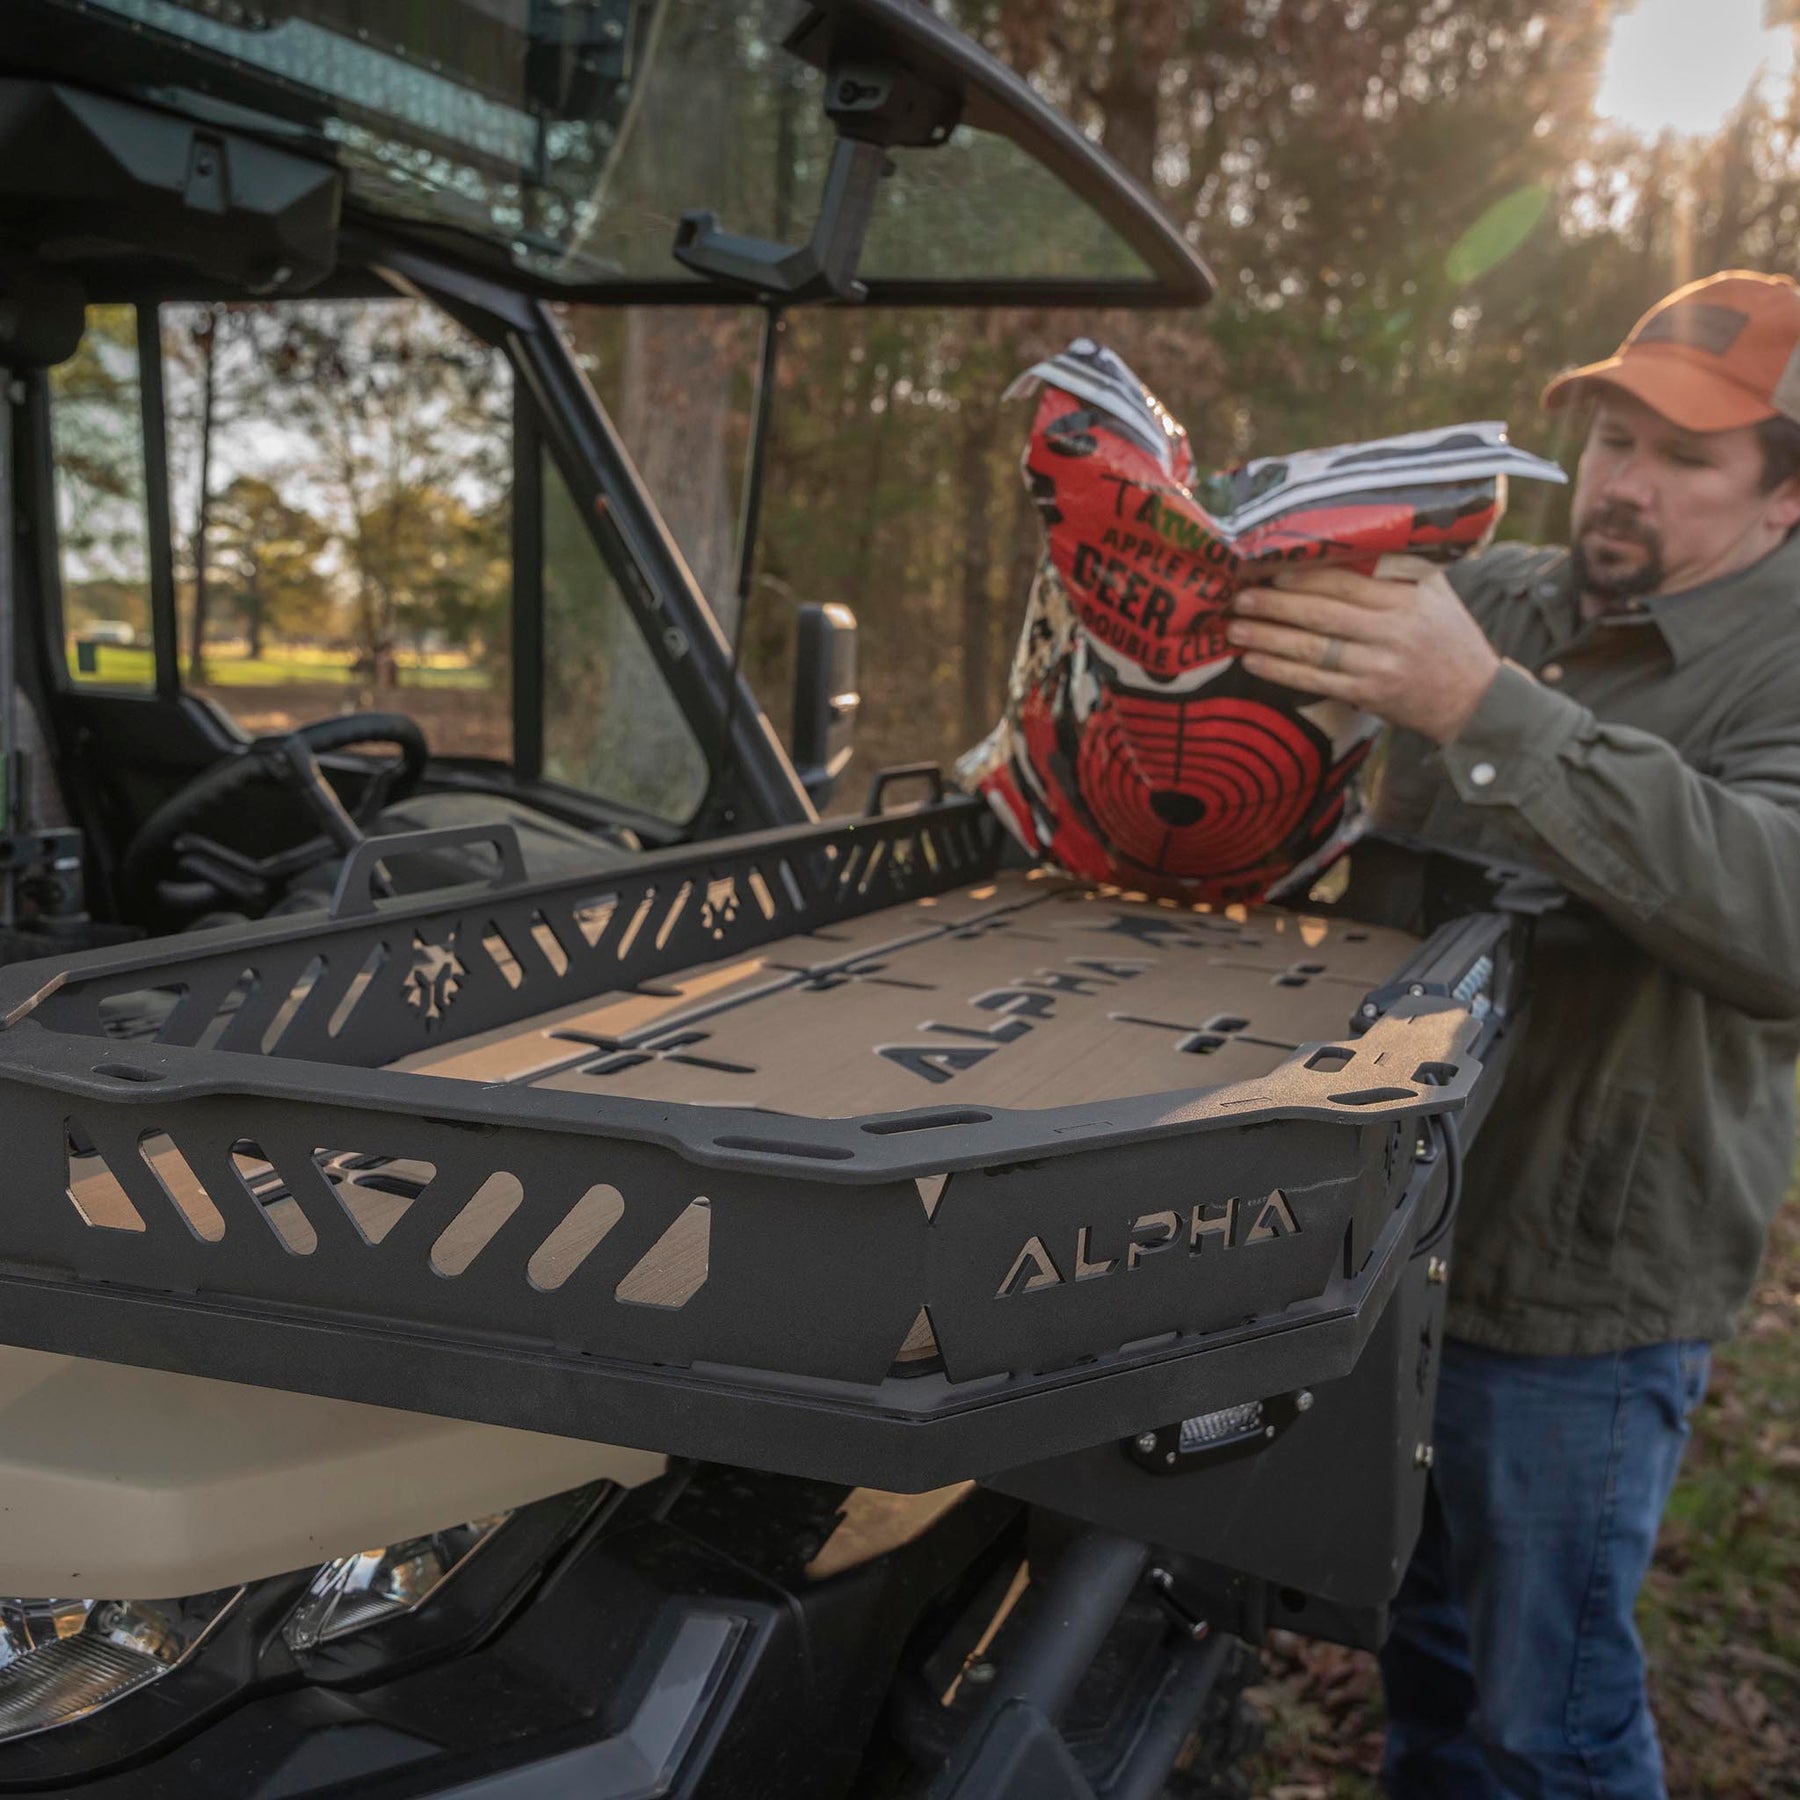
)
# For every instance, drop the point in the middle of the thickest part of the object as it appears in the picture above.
(1172, 1715)
(1080, 1604)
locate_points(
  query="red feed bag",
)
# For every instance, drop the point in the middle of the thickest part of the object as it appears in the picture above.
(1135, 749)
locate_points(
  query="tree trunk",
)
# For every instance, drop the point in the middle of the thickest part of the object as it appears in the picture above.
(868, 530)
(207, 338)
(976, 478)
(1143, 37)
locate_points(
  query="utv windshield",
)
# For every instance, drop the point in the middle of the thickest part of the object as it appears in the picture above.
(569, 136)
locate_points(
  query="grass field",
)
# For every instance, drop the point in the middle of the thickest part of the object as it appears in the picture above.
(120, 665)
(1720, 1614)
(462, 709)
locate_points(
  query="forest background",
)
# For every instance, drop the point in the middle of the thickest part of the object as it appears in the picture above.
(1415, 213)
(1417, 210)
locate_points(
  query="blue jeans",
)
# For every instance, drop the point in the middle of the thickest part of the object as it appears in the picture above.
(1513, 1668)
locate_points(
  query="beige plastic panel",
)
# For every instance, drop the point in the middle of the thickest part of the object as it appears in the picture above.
(120, 1483)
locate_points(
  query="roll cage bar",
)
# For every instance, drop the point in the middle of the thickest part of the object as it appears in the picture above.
(965, 81)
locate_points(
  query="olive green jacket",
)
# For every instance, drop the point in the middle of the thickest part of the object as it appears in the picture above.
(1623, 1187)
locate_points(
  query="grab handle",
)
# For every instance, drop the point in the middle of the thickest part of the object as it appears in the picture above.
(887, 778)
(354, 894)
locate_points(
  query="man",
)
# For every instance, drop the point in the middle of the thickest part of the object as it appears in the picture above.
(1626, 716)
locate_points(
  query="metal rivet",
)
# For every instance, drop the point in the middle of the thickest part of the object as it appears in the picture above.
(1268, 1431)
(1368, 1009)
(1303, 1400)
(1417, 988)
(1170, 1458)
(1437, 1271)
(1421, 1456)
(1483, 774)
(1147, 1442)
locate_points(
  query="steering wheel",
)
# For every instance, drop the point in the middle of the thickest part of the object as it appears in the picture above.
(189, 872)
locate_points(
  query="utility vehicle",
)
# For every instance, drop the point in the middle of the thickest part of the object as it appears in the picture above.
(530, 1262)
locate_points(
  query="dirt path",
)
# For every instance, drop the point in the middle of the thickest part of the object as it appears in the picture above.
(456, 721)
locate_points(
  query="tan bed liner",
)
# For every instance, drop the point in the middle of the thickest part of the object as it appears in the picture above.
(1028, 991)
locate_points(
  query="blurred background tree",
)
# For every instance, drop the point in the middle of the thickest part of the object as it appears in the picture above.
(266, 554)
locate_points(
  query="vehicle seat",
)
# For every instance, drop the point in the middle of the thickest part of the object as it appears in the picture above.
(551, 846)
(44, 808)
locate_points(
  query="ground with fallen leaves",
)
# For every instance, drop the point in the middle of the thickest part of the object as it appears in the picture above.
(1720, 1615)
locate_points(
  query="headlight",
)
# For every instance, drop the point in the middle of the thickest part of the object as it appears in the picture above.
(1208, 1438)
(1228, 1425)
(374, 1585)
(61, 1660)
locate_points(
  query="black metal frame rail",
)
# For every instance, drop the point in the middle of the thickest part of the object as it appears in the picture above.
(1085, 1270)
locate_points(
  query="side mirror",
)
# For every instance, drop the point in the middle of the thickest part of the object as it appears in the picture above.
(825, 698)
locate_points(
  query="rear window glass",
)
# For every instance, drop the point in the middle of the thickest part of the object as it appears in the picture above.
(102, 522)
(341, 489)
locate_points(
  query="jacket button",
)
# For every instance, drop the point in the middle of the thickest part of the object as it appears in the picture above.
(1483, 774)
(1551, 672)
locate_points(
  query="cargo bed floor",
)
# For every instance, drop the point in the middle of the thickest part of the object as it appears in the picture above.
(1027, 991)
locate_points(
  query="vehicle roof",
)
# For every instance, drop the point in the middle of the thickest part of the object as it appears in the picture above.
(557, 146)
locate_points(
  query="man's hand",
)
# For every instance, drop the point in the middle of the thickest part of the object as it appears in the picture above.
(1407, 651)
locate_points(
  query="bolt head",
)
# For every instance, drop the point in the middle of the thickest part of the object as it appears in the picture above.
(1303, 1400)
(1368, 1009)
(1147, 1443)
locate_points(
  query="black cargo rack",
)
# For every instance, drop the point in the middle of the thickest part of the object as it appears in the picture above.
(824, 1255)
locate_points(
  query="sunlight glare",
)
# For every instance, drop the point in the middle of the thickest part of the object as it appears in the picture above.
(1682, 65)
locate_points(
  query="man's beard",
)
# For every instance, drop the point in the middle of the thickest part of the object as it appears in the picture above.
(1616, 587)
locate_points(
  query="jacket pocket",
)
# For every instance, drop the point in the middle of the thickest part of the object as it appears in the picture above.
(1602, 1167)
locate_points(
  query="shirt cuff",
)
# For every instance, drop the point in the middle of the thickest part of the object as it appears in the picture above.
(1511, 740)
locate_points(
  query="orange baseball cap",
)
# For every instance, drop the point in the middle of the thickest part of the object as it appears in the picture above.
(1715, 355)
